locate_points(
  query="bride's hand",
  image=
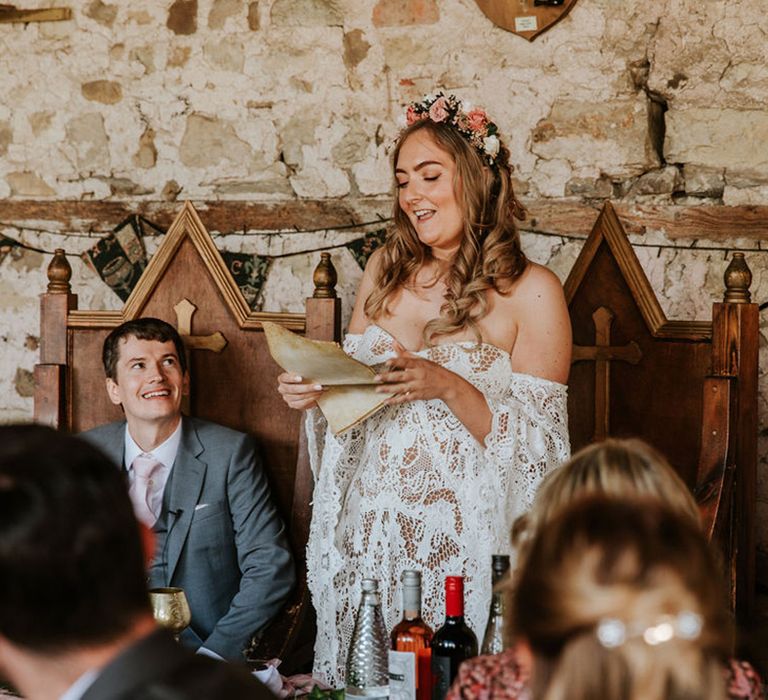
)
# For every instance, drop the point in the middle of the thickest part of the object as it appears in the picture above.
(409, 377)
(297, 393)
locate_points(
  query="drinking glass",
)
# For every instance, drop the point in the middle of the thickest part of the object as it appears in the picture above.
(170, 609)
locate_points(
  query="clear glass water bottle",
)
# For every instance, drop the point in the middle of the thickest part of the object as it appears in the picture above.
(493, 641)
(368, 657)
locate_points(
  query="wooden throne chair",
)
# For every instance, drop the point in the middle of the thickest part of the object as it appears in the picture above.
(233, 380)
(689, 388)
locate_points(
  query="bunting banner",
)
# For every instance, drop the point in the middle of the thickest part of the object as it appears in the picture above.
(119, 258)
(361, 248)
(249, 273)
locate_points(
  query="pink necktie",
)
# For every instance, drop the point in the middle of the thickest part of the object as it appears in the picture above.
(144, 486)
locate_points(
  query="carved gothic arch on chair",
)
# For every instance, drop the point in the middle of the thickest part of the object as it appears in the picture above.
(687, 387)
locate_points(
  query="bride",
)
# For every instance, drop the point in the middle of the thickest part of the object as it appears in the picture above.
(472, 343)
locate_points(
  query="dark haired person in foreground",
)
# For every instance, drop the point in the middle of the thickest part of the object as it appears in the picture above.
(75, 621)
(200, 487)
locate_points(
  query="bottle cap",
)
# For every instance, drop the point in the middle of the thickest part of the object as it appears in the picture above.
(500, 563)
(370, 585)
(409, 577)
(454, 584)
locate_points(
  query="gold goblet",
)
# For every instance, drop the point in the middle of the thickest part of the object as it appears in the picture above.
(170, 609)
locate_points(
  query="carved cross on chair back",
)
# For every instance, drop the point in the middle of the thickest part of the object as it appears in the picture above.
(215, 342)
(602, 353)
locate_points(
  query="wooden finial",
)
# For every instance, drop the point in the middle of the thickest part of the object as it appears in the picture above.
(59, 273)
(737, 278)
(325, 278)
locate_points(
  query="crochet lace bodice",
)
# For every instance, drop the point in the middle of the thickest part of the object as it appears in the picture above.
(411, 488)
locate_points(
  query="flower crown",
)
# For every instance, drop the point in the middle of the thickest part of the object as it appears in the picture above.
(474, 125)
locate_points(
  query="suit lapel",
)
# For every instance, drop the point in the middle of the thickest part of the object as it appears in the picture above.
(186, 484)
(113, 444)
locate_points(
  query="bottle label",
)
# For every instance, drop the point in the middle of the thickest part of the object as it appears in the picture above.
(441, 676)
(402, 675)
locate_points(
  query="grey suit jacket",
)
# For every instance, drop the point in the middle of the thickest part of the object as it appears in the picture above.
(156, 668)
(218, 537)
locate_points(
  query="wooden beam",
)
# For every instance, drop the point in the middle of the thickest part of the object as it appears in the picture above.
(9, 14)
(558, 216)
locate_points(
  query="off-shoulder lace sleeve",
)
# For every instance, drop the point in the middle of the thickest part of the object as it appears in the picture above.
(529, 435)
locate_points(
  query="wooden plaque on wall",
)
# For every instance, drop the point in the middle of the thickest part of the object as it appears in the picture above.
(526, 18)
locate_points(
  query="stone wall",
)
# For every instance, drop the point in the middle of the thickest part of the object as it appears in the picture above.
(659, 106)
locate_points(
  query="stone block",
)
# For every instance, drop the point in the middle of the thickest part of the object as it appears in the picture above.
(178, 56)
(551, 177)
(703, 182)
(355, 48)
(222, 10)
(402, 13)
(353, 146)
(225, 54)
(662, 181)
(373, 176)
(182, 17)
(146, 156)
(87, 136)
(6, 136)
(612, 137)
(320, 181)
(589, 187)
(40, 122)
(27, 184)
(208, 141)
(101, 13)
(307, 13)
(718, 138)
(146, 56)
(752, 196)
(107, 92)
(24, 382)
(254, 23)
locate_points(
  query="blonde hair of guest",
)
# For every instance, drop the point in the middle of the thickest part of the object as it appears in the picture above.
(621, 600)
(624, 468)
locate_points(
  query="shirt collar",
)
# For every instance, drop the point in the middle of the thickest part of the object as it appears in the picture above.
(78, 688)
(165, 452)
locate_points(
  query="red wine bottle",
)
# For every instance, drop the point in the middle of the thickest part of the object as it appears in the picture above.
(410, 671)
(453, 642)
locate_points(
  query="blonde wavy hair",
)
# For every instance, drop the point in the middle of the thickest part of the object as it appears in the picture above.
(615, 467)
(636, 563)
(489, 256)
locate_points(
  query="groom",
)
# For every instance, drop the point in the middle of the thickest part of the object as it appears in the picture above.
(200, 487)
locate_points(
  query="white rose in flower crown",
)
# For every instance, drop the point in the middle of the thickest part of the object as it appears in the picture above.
(491, 146)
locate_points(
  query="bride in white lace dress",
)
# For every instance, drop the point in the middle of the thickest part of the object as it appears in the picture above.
(472, 342)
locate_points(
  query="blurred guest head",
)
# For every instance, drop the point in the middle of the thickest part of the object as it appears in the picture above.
(621, 468)
(71, 562)
(620, 599)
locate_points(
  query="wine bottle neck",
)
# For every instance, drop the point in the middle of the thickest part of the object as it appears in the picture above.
(454, 596)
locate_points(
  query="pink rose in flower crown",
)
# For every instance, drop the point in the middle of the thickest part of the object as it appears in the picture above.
(477, 119)
(412, 116)
(438, 111)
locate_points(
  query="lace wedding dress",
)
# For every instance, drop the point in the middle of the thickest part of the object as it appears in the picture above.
(410, 488)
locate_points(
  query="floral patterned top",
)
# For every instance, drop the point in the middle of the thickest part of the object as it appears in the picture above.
(499, 677)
